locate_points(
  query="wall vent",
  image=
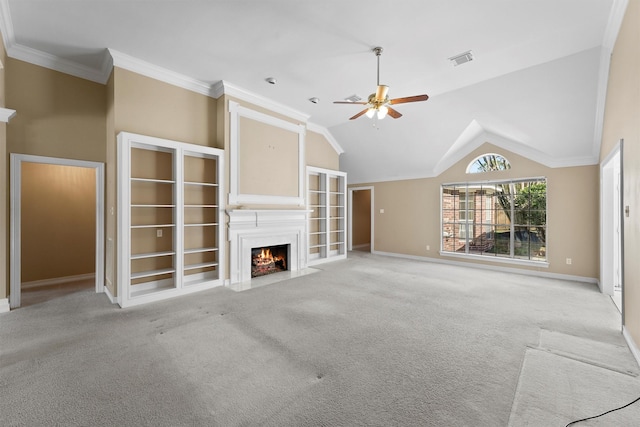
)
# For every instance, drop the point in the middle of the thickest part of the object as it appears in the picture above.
(462, 58)
(353, 98)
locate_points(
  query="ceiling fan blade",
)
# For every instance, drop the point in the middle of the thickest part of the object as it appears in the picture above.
(409, 99)
(359, 114)
(393, 113)
(381, 92)
(350, 102)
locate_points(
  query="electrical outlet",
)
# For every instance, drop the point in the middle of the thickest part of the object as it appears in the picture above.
(381, 210)
(159, 233)
(568, 261)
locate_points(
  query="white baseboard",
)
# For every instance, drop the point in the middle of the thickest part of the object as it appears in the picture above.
(4, 305)
(632, 345)
(492, 267)
(364, 245)
(58, 280)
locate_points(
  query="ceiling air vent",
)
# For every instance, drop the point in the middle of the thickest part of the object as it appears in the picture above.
(353, 98)
(462, 58)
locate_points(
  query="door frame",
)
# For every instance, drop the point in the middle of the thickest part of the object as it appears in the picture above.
(15, 224)
(612, 216)
(350, 216)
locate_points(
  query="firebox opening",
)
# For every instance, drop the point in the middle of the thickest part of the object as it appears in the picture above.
(268, 260)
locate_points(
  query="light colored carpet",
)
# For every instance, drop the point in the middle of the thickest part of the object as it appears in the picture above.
(369, 341)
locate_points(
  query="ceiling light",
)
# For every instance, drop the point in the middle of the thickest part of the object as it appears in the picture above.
(315, 99)
(271, 80)
(461, 58)
(370, 112)
(382, 111)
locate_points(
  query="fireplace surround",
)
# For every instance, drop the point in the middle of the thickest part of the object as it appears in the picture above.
(249, 229)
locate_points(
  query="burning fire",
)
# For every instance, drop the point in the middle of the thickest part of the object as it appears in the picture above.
(266, 258)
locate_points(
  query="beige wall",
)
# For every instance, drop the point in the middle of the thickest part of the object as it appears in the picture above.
(151, 107)
(58, 115)
(411, 218)
(361, 217)
(320, 153)
(58, 213)
(622, 113)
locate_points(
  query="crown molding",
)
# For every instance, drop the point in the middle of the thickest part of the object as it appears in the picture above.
(229, 89)
(6, 114)
(616, 16)
(147, 69)
(328, 136)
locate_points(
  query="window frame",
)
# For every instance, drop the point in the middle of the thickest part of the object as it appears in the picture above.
(512, 258)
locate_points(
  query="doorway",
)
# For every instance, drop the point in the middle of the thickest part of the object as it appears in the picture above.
(361, 219)
(611, 228)
(40, 270)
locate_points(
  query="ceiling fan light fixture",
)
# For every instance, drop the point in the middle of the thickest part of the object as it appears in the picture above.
(370, 112)
(382, 112)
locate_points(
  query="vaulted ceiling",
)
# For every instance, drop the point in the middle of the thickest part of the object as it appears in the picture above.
(536, 85)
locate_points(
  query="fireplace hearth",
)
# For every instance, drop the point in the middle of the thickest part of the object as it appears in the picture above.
(269, 260)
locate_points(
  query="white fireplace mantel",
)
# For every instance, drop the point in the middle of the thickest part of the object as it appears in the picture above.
(265, 227)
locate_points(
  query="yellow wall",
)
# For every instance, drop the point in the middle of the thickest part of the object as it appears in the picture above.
(622, 111)
(57, 222)
(411, 218)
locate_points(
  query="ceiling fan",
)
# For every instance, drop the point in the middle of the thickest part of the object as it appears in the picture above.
(379, 102)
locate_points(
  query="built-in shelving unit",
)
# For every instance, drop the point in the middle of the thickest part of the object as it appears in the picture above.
(169, 234)
(326, 199)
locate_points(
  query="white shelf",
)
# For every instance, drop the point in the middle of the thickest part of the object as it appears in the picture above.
(161, 174)
(200, 265)
(203, 184)
(152, 255)
(199, 250)
(152, 273)
(330, 187)
(157, 181)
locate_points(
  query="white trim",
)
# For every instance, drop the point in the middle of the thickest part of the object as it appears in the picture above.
(236, 111)
(6, 114)
(312, 127)
(58, 280)
(350, 217)
(148, 69)
(15, 213)
(225, 88)
(524, 272)
(607, 177)
(496, 259)
(4, 305)
(631, 343)
(109, 295)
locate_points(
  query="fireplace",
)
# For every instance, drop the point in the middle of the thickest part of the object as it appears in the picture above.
(269, 260)
(265, 228)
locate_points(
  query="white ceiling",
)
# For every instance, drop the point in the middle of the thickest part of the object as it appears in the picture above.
(535, 86)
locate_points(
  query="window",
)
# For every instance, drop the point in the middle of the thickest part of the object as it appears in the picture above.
(487, 163)
(501, 219)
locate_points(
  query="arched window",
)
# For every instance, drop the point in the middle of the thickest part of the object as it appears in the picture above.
(488, 162)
